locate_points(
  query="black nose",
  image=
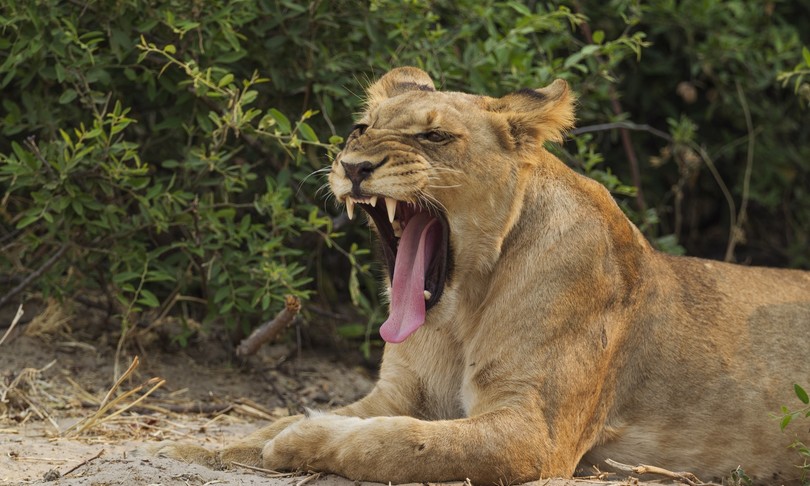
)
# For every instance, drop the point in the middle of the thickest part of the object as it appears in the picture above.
(359, 172)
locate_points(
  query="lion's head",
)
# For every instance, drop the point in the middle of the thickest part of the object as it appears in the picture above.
(440, 175)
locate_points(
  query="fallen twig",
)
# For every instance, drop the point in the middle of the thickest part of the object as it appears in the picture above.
(270, 472)
(84, 463)
(685, 477)
(14, 322)
(307, 479)
(269, 330)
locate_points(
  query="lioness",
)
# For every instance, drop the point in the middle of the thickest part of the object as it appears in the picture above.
(532, 328)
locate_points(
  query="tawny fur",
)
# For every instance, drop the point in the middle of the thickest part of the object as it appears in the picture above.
(562, 338)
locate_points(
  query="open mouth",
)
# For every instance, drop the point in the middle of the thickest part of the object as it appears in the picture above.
(415, 242)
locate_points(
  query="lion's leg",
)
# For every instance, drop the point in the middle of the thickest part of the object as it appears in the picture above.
(504, 445)
(385, 399)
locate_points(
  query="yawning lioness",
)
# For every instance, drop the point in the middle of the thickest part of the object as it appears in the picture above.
(532, 328)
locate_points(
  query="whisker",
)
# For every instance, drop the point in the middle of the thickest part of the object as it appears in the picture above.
(320, 171)
(446, 169)
(431, 202)
(432, 186)
(323, 187)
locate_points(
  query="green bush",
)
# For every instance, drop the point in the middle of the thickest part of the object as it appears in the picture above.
(159, 181)
(170, 154)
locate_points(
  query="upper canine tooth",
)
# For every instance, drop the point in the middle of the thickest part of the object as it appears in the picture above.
(350, 207)
(391, 205)
(373, 201)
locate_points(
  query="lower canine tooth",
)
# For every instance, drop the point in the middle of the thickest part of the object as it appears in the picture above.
(350, 208)
(397, 226)
(427, 295)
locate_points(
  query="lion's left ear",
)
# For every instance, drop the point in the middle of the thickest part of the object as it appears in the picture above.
(537, 115)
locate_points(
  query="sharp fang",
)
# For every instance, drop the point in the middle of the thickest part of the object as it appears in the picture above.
(373, 201)
(391, 205)
(427, 295)
(350, 207)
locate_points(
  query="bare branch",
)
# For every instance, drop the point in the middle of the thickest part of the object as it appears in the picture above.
(685, 477)
(34, 275)
(271, 329)
(736, 234)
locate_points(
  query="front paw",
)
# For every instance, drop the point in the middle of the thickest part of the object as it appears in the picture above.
(190, 454)
(311, 443)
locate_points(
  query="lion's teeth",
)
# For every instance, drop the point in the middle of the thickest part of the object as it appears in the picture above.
(350, 207)
(373, 201)
(428, 295)
(391, 205)
(397, 226)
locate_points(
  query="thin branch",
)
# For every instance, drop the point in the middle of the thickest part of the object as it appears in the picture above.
(31, 143)
(736, 230)
(84, 463)
(622, 125)
(14, 322)
(269, 330)
(34, 275)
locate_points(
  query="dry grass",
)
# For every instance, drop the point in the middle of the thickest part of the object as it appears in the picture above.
(115, 404)
(26, 394)
(53, 320)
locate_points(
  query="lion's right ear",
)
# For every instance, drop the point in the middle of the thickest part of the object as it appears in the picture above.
(397, 81)
(537, 115)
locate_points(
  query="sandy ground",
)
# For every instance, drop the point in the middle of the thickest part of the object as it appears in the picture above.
(31, 455)
(52, 381)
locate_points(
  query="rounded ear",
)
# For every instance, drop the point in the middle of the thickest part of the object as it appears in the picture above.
(537, 115)
(398, 81)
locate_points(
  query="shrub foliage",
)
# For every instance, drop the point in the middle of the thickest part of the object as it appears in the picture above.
(169, 155)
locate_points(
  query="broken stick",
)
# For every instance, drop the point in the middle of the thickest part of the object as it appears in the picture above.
(271, 329)
(685, 477)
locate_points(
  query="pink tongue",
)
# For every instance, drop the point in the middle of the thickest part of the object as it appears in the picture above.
(408, 286)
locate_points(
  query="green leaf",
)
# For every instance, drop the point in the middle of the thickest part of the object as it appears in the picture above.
(68, 96)
(148, 299)
(225, 80)
(170, 49)
(307, 132)
(598, 36)
(125, 276)
(221, 293)
(785, 421)
(336, 140)
(265, 301)
(588, 50)
(801, 393)
(282, 121)
(249, 97)
(806, 55)
(26, 221)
